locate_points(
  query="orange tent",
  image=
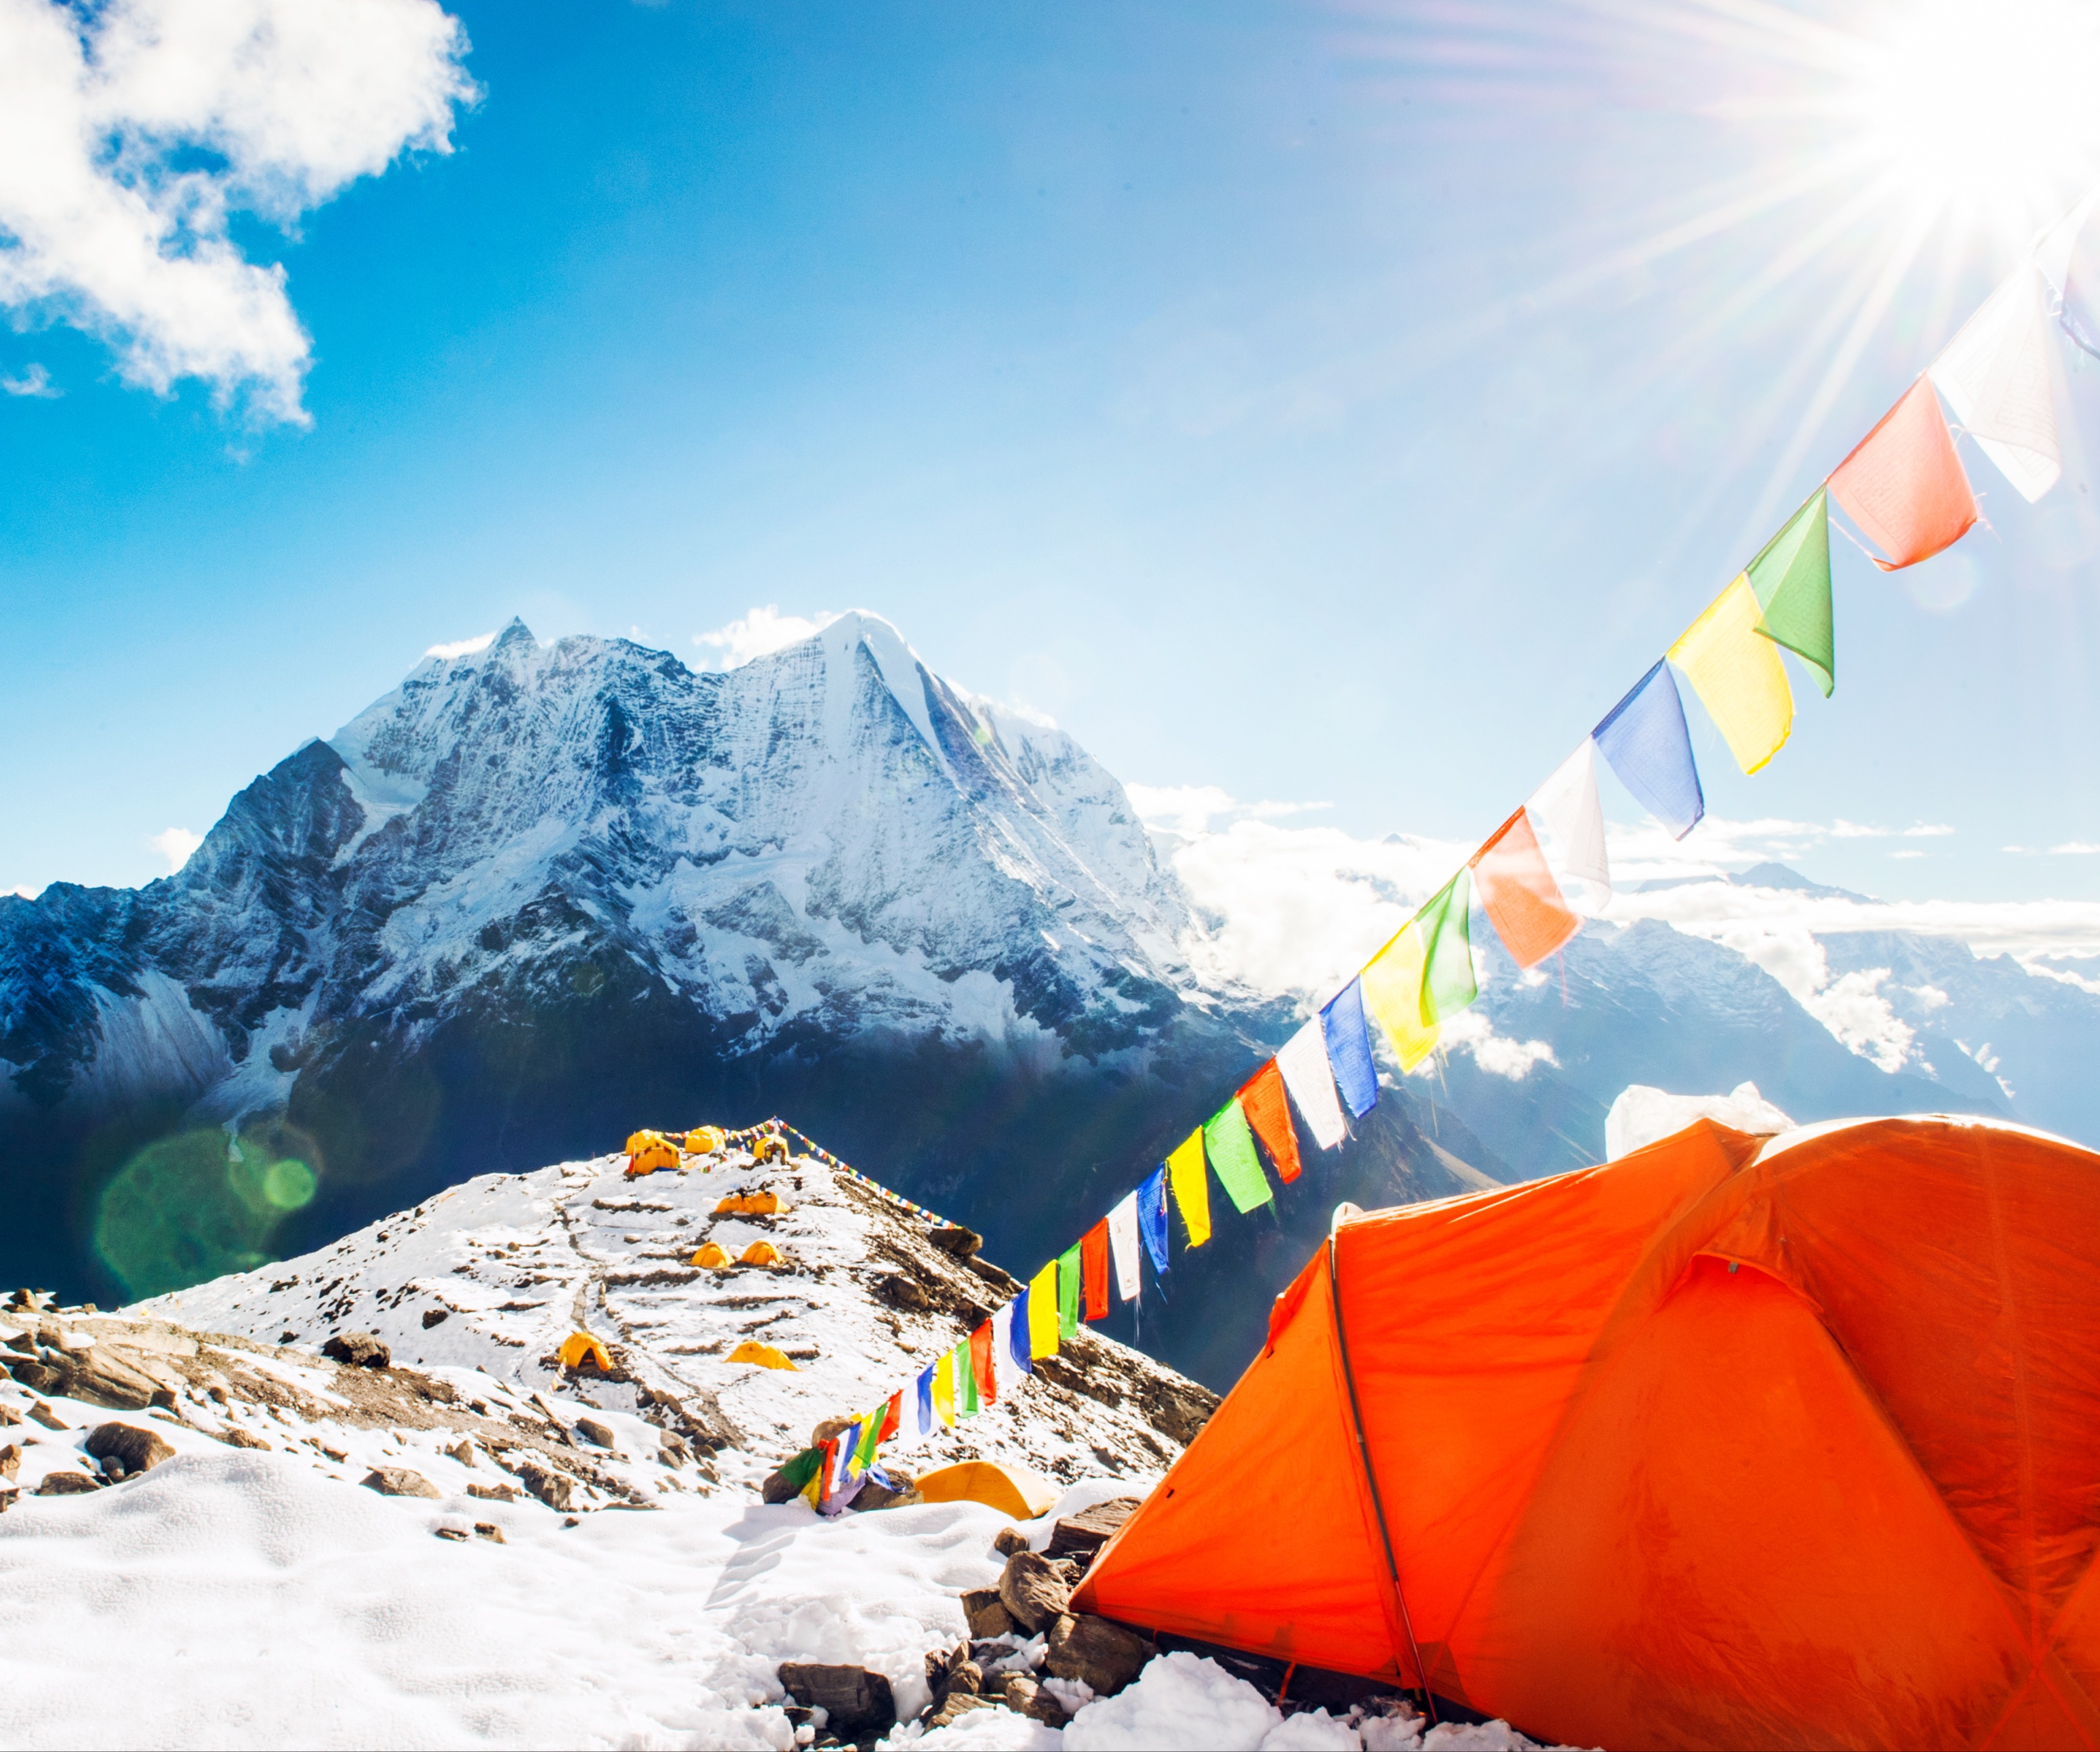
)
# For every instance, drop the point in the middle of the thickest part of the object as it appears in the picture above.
(1732, 1442)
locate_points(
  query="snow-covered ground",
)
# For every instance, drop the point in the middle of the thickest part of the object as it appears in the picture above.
(247, 1591)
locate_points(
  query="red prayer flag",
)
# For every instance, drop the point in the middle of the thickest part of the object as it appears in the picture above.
(1519, 894)
(1903, 485)
(893, 1419)
(980, 1365)
(1268, 1109)
(1094, 1270)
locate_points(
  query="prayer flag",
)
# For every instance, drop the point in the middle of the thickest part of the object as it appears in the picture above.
(966, 1379)
(1094, 1270)
(1230, 1145)
(1738, 676)
(871, 1437)
(1791, 576)
(1123, 1248)
(944, 1389)
(1995, 376)
(1068, 1292)
(1903, 484)
(1392, 992)
(893, 1417)
(820, 1477)
(984, 1369)
(1518, 893)
(1349, 1049)
(1191, 1190)
(1268, 1110)
(1042, 1312)
(1448, 984)
(1152, 1216)
(1306, 1073)
(924, 1405)
(797, 1472)
(848, 1445)
(1644, 739)
(1010, 1329)
(1569, 819)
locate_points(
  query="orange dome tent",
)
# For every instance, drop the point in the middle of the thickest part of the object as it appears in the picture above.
(1731, 1442)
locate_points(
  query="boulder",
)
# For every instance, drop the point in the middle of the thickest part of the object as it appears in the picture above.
(552, 1488)
(1008, 1540)
(103, 1375)
(1026, 1696)
(673, 1451)
(1105, 1655)
(780, 1488)
(957, 1240)
(875, 1494)
(856, 1704)
(965, 1675)
(40, 1413)
(435, 1316)
(10, 1460)
(359, 1350)
(38, 1376)
(1034, 1591)
(234, 1437)
(68, 1484)
(987, 1614)
(1083, 1535)
(599, 1435)
(493, 1493)
(487, 1530)
(830, 1427)
(136, 1450)
(462, 1451)
(398, 1481)
(956, 1703)
(9, 1415)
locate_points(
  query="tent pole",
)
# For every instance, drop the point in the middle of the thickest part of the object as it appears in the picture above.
(1370, 1476)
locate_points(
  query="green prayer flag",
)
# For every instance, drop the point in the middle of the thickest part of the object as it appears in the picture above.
(1229, 1143)
(1448, 985)
(1068, 1292)
(966, 1382)
(804, 1467)
(870, 1436)
(1791, 579)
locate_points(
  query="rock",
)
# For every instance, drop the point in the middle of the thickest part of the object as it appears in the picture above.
(38, 1376)
(493, 1493)
(10, 1460)
(462, 1451)
(987, 1615)
(778, 1487)
(1034, 1591)
(451, 1533)
(136, 1450)
(435, 1316)
(955, 1704)
(40, 1413)
(9, 1415)
(831, 1427)
(234, 1437)
(103, 1375)
(487, 1530)
(875, 1494)
(597, 1433)
(965, 1675)
(1083, 1535)
(1008, 1540)
(360, 1350)
(67, 1485)
(673, 1451)
(1026, 1696)
(1105, 1655)
(856, 1704)
(398, 1481)
(956, 1240)
(552, 1488)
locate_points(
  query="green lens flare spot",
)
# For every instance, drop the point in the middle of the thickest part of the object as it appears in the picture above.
(289, 1185)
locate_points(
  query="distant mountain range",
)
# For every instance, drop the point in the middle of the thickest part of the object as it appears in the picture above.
(538, 896)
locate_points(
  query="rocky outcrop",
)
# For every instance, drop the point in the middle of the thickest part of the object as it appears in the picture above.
(857, 1703)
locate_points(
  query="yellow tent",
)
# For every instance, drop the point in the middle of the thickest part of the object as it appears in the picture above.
(704, 1140)
(712, 1256)
(751, 1204)
(580, 1348)
(764, 1355)
(769, 1148)
(1011, 1490)
(648, 1151)
(762, 1253)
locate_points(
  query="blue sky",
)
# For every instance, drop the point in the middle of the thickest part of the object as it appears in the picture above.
(1333, 405)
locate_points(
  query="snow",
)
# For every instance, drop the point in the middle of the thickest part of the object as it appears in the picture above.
(155, 1042)
(1642, 1116)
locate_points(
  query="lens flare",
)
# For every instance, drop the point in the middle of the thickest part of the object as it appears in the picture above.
(199, 1204)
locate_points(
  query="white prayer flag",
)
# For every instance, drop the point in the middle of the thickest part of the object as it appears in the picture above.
(1995, 376)
(1567, 817)
(1123, 1247)
(1310, 1079)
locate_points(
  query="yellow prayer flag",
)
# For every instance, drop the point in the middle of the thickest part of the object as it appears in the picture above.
(1191, 1192)
(944, 1389)
(1392, 993)
(1738, 676)
(1042, 1312)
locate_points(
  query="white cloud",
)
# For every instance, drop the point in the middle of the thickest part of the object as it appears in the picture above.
(1190, 810)
(1927, 831)
(465, 647)
(175, 845)
(1907, 853)
(130, 133)
(2074, 849)
(35, 382)
(761, 631)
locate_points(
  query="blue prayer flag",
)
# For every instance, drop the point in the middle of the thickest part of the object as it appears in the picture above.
(1152, 1216)
(926, 1397)
(1016, 1335)
(1349, 1049)
(1644, 738)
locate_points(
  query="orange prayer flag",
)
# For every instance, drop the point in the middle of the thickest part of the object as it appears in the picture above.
(893, 1417)
(1903, 485)
(980, 1365)
(1519, 894)
(1094, 1270)
(1268, 1109)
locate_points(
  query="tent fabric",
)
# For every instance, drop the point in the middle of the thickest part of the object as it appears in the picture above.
(1011, 1490)
(1519, 895)
(1302, 1062)
(1731, 1442)
(1349, 1049)
(1902, 482)
(580, 1348)
(1995, 376)
(765, 1355)
(1738, 676)
(1644, 739)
